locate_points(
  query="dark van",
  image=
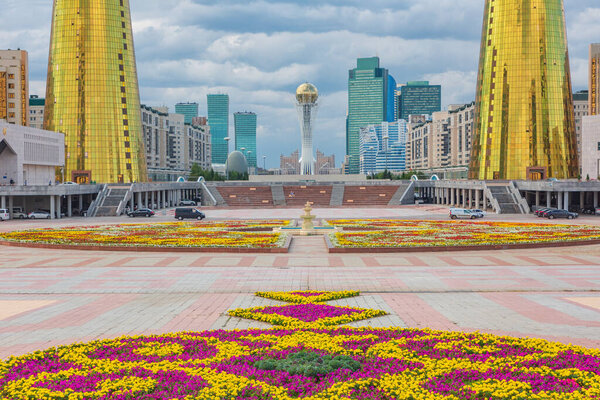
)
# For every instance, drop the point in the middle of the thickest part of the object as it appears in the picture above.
(190, 213)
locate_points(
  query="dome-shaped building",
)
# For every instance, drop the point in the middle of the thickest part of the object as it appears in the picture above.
(307, 93)
(236, 162)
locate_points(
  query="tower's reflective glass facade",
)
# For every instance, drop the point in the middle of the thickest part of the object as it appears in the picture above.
(92, 91)
(218, 120)
(245, 135)
(524, 126)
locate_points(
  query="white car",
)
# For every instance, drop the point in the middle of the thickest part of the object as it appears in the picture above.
(18, 213)
(4, 215)
(462, 213)
(69, 183)
(39, 215)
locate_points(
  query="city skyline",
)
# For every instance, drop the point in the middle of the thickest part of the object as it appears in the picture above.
(175, 66)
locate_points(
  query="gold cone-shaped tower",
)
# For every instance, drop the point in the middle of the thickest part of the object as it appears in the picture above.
(524, 124)
(92, 93)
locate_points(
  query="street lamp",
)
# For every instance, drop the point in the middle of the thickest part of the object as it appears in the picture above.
(371, 148)
(265, 164)
(386, 139)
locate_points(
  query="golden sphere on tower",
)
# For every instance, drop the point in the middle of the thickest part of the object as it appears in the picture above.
(307, 93)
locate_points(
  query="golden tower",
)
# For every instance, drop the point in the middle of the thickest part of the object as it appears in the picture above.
(92, 93)
(524, 124)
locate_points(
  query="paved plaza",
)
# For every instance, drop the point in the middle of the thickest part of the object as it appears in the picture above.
(53, 297)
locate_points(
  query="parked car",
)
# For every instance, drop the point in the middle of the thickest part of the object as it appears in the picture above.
(18, 213)
(39, 215)
(462, 213)
(141, 212)
(187, 203)
(481, 212)
(588, 210)
(560, 214)
(4, 215)
(189, 213)
(540, 212)
(69, 183)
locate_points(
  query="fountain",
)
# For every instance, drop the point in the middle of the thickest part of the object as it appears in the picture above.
(307, 218)
(308, 227)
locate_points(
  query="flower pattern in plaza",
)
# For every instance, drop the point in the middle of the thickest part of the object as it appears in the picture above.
(226, 365)
(310, 362)
(220, 234)
(376, 233)
(307, 296)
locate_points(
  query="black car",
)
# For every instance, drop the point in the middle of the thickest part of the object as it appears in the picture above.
(189, 213)
(141, 212)
(560, 214)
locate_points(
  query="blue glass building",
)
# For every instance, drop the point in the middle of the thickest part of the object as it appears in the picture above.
(188, 110)
(418, 98)
(218, 120)
(383, 147)
(245, 135)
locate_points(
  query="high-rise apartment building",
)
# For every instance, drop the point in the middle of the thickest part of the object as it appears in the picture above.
(290, 165)
(418, 98)
(14, 87)
(594, 79)
(325, 165)
(92, 93)
(462, 126)
(218, 120)
(172, 146)
(524, 125)
(36, 112)
(368, 99)
(245, 135)
(188, 110)
(428, 144)
(581, 108)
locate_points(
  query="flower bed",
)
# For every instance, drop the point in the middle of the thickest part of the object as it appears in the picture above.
(448, 234)
(306, 315)
(226, 234)
(307, 296)
(314, 364)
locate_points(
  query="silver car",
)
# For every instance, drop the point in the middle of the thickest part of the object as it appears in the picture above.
(39, 215)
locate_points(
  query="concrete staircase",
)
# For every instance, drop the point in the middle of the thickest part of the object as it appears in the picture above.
(400, 199)
(337, 196)
(505, 200)
(278, 195)
(110, 204)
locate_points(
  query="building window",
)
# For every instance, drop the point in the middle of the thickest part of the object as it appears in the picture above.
(598, 146)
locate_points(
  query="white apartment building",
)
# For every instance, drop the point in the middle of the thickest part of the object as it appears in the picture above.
(172, 146)
(36, 112)
(29, 156)
(590, 161)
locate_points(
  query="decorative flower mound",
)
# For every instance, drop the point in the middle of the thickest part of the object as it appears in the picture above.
(407, 234)
(221, 234)
(307, 296)
(310, 364)
(306, 315)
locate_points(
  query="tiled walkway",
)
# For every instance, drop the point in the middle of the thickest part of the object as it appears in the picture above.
(50, 297)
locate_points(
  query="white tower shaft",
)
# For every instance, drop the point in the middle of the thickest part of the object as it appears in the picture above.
(307, 113)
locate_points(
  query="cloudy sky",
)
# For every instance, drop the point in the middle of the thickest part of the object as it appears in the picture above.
(259, 51)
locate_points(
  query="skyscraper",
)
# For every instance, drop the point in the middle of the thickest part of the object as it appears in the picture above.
(524, 127)
(188, 110)
(14, 87)
(594, 83)
(92, 93)
(218, 120)
(419, 98)
(245, 135)
(368, 98)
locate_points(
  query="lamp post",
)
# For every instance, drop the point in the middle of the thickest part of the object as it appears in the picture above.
(227, 139)
(371, 148)
(265, 164)
(386, 139)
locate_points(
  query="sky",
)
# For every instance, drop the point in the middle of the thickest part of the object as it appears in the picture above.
(259, 51)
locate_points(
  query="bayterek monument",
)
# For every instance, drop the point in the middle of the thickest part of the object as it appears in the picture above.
(306, 97)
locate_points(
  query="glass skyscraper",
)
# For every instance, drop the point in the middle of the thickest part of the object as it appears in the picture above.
(188, 110)
(524, 122)
(368, 99)
(92, 93)
(417, 98)
(218, 120)
(245, 135)
(383, 147)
